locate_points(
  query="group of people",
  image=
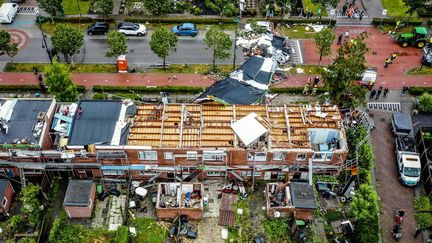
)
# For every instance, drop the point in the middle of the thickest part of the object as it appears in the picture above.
(351, 12)
(347, 36)
(377, 94)
(314, 86)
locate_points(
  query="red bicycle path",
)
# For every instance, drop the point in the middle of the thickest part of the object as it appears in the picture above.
(380, 47)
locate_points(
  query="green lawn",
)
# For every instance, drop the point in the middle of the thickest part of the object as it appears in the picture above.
(395, 8)
(71, 7)
(297, 32)
(148, 231)
(309, 5)
(48, 27)
(424, 71)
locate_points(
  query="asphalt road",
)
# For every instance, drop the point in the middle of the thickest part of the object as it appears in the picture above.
(189, 50)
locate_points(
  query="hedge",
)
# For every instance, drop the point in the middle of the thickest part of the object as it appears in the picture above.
(295, 90)
(390, 21)
(29, 88)
(146, 89)
(196, 20)
(419, 90)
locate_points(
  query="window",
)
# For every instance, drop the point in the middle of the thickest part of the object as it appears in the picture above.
(113, 172)
(90, 203)
(147, 155)
(257, 156)
(4, 202)
(278, 156)
(169, 155)
(301, 156)
(146, 173)
(192, 155)
(215, 173)
(249, 173)
(323, 156)
(32, 172)
(213, 155)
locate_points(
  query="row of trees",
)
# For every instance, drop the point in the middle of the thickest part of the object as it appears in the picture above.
(68, 41)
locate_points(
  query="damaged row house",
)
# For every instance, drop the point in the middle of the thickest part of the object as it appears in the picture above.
(119, 140)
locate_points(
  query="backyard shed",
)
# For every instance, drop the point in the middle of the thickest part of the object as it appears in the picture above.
(79, 198)
(6, 196)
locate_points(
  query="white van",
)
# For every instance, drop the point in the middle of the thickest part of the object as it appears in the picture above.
(8, 12)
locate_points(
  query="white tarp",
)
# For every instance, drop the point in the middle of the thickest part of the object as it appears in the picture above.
(248, 129)
(6, 109)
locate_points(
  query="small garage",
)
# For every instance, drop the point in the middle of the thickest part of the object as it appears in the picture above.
(6, 195)
(79, 199)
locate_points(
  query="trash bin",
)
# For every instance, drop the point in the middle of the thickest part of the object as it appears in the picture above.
(99, 189)
(122, 64)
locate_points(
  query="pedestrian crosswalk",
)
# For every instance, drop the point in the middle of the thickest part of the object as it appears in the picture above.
(384, 106)
(29, 10)
(296, 55)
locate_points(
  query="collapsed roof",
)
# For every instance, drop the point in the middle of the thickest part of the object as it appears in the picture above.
(246, 85)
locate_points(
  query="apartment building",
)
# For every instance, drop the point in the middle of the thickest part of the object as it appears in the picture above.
(119, 140)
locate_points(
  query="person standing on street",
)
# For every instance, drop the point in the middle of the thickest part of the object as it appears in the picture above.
(344, 9)
(379, 93)
(339, 42)
(314, 90)
(346, 35)
(319, 13)
(386, 90)
(372, 94)
(306, 89)
(404, 90)
(316, 81)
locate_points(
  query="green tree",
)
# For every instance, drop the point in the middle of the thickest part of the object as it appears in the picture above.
(106, 7)
(425, 103)
(159, 7)
(323, 41)
(53, 7)
(416, 6)
(27, 240)
(12, 51)
(348, 66)
(222, 7)
(30, 196)
(17, 223)
(67, 40)
(220, 42)
(59, 82)
(62, 232)
(364, 205)
(116, 43)
(163, 42)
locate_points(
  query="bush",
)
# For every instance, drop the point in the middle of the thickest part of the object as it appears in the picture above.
(122, 234)
(144, 89)
(19, 88)
(422, 204)
(197, 11)
(277, 230)
(176, 20)
(390, 21)
(425, 103)
(74, 19)
(424, 220)
(419, 90)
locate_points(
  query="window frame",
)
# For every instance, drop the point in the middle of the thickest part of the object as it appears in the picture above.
(4, 202)
(278, 153)
(143, 152)
(299, 155)
(167, 157)
(191, 155)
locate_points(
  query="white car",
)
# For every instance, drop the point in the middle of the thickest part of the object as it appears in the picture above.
(129, 28)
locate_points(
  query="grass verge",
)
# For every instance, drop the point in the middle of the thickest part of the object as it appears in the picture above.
(79, 68)
(193, 68)
(309, 5)
(149, 231)
(395, 8)
(71, 7)
(424, 71)
(297, 32)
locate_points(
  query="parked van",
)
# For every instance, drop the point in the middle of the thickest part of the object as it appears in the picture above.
(8, 12)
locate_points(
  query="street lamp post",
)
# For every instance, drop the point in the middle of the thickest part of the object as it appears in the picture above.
(44, 44)
(79, 10)
(236, 21)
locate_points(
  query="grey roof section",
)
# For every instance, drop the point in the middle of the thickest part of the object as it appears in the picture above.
(24, 117)
(78, 193)
(3, 185)
(302, 195)
(97, 122)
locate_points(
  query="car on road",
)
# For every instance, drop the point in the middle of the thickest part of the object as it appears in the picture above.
(368, 78)
(129, 28)
(98, 28)
(185, 29)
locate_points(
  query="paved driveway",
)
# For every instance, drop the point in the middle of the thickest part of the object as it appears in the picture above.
(392, 194)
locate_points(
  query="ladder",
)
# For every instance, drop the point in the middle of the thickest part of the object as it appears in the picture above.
(22, 177)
